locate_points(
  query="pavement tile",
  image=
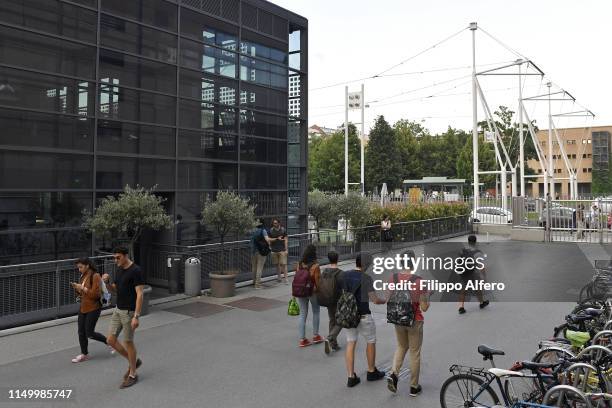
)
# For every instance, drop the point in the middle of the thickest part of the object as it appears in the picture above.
(198, 309)
(256, 304)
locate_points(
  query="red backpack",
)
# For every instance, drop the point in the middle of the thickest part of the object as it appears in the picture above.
(303, 284)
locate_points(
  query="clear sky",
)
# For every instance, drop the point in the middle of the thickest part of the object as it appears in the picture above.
(568, 40)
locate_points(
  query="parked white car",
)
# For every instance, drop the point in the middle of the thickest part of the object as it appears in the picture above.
(491, 215)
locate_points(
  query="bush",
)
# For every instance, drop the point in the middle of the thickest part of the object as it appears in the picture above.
(416, 212)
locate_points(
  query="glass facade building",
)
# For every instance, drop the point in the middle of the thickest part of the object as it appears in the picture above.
(190, 96)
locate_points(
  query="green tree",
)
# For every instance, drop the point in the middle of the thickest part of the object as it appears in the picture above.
(125, 217)
(353, 207)
(321, 207)
(407, 134)
(486, 160)
(509, 132)
(326, 161)
(382, 157)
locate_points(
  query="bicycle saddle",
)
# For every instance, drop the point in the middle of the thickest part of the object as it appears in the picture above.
(488, 353)
(531, 365)
(593, 312)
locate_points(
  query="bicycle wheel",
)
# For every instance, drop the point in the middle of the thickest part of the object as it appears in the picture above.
(466, 390)
(567, 397)
(551, 355)
(524, 389)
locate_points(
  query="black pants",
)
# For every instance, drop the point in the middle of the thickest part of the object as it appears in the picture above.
(87, 325)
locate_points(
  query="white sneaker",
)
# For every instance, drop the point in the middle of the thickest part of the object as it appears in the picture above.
(80, 358)
(112, 350)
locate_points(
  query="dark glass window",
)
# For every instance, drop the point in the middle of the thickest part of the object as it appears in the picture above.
(122, 103)
(137, 72)
(43, 53)
(20, 128)
(263, 150)
(295, 155)
(25, 247)
(257, 97)
(207, 29)
(263, 177)
(157, 13)
(45, 92)
(208, 58)
(202, 175)
(257, 45)
(262, 124)
(263, 73)
(51, 16)
(114, 173)
(132, 37)
(207, 116)
(21, 170)
(207, 88)
(42, 210)
(267, 203)
(133, 138)
(207, 145)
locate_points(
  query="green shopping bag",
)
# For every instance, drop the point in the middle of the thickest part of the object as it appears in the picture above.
(294, 308)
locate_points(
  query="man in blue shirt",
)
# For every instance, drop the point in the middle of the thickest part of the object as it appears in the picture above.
(260, 248)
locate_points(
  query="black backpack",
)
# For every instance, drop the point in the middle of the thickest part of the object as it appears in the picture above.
(261, 244)
(469, 253)
(400, 310)
(327, 291)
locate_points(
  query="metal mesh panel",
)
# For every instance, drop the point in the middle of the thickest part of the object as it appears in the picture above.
(265, 22)
(280, 28)
(249, 16)
(211, 6)
(192, 3)
(229, 9)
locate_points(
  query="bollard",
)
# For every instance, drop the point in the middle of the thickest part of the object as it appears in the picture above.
(193, 280)
(146, 297)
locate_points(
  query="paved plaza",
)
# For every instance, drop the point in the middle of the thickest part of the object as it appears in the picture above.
(242, 352)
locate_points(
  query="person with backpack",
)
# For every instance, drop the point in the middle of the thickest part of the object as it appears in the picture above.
(260, 248)
(328, 294)
(304, 289)
(89, 292)
(353, 313)
(471, 274)
(405, 311)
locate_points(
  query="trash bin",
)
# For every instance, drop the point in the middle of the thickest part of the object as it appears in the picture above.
(174, 264)
(146, 297)
(193, 280)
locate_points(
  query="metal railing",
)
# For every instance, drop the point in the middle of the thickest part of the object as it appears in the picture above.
(236, 256)
(566, 220)
(41, 290)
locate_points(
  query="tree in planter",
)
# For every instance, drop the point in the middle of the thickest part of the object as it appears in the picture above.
(125, 217)
(321, 207)
(229, 214)
(354, 208)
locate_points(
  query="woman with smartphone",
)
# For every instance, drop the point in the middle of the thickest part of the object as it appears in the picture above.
(88, 292)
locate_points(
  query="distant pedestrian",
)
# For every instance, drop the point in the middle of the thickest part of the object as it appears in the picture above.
(89, 294)
(471, 274)
(594, 218)
(409, 332)
(386, 236)
(304, 289)
(580, 222)
(279, 247)
(328, 293)
(361, 285)
(260, 248)
(129, 286)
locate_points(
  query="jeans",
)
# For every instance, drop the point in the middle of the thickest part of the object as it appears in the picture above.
(409, 339)
(87, 325)
(303, 302)
(334, 329)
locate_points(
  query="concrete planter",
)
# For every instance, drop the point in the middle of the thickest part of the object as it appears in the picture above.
(222, 286)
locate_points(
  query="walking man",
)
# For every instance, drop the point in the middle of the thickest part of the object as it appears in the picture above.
(279, 247)
(129, 286)
(328, 294)
(362, 286)
(260, 248)
(471, 274)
